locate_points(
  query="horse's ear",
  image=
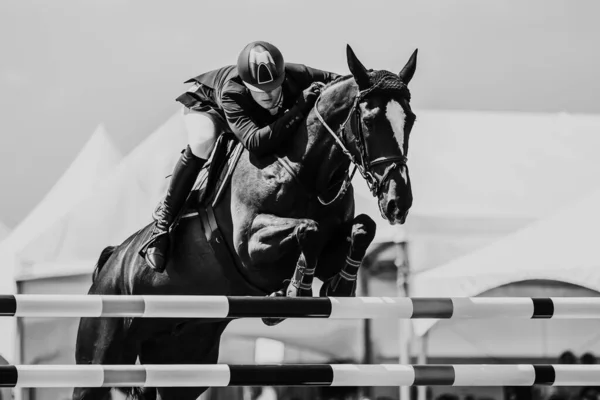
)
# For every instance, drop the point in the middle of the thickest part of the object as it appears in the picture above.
(409, 69)
(358, 70)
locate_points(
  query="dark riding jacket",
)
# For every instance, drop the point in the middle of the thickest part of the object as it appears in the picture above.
(260, 132)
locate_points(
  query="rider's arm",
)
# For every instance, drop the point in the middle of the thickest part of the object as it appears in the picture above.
(309, 75)
(261, 140)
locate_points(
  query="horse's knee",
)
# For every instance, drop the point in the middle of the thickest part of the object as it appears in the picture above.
(363, 233)
(202, 132)
(307, 234)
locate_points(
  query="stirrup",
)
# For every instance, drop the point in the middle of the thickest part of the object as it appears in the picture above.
(156, 233)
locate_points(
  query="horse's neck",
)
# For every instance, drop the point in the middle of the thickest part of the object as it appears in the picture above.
(322, 158)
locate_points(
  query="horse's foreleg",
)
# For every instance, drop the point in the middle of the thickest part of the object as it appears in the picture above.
(272, 237)
(347, 256)
(310, 243)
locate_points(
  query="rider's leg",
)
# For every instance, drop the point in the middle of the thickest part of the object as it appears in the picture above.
(202, 132)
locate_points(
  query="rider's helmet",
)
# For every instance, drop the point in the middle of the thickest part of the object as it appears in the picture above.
(261, 66)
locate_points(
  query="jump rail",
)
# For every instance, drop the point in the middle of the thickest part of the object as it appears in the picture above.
(296, 375)
(308, 307)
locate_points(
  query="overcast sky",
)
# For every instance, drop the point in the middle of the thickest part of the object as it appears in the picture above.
(68, 65)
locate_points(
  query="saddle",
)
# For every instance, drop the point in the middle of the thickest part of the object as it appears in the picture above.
(208, 191)
(215, 177)
(212, 179)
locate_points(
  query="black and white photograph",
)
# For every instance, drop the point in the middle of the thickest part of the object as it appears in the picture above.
(299, 200)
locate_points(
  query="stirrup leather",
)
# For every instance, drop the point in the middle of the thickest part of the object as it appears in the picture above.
(156, 233)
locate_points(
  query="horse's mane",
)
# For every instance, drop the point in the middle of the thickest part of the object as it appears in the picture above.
(337, 80)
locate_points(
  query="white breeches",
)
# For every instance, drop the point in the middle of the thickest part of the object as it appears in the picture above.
(202, 130)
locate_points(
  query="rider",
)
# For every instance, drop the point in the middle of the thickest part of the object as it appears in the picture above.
(261, 100)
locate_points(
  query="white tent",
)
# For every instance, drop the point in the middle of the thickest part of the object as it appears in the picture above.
(560, 248)
(478, 176)
(97, 158)
(3, 231)
(94, 161)
(119, 205)
(499, 164)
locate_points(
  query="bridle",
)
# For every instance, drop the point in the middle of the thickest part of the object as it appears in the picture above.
(364, 164)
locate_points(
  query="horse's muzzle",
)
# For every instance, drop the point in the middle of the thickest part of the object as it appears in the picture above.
(394, 214)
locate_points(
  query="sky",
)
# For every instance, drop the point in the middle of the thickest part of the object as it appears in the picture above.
(69, 65)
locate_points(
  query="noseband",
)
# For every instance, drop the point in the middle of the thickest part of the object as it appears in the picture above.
(363, 164)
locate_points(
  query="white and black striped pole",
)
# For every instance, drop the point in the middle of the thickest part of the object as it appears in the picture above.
(296, 375)
(303, 307)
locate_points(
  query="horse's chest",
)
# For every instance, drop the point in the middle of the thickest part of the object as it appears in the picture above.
(274, 191)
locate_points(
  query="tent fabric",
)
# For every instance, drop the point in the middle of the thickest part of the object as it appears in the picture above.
(118, 206)
(494, 338)
(3, 231)
(94, 161)
(523, 338)
(563, 247)
(500, 164)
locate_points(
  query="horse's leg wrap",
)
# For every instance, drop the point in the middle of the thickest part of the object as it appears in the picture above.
(301, 284)
(299, 233)
(343, 284)
(307, 235)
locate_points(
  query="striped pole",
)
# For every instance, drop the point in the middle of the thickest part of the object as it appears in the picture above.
(221, 375)
(304, 307)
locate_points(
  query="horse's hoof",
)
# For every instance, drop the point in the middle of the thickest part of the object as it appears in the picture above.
(272, 321)
(337, 286)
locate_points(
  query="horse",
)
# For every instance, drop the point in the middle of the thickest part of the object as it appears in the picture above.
(285, 218)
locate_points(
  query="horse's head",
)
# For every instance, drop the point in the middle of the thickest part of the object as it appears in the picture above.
(376, 132)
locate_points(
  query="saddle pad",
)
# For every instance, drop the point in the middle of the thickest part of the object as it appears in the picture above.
(215, 177)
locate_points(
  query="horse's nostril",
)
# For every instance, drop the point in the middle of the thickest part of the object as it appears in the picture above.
(391, 207)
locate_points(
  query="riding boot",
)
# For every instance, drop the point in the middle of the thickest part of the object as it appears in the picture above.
(184, 176)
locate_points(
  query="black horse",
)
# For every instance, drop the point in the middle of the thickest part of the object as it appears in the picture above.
(285, 216)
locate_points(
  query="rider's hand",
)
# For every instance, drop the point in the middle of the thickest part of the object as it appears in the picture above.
(310, 94)
(314, 90)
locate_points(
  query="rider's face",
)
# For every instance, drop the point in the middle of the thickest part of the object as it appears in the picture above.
(268, 100)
